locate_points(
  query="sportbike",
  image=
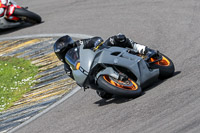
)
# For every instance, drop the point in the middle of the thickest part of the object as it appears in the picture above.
(15, 15)
(114, 70)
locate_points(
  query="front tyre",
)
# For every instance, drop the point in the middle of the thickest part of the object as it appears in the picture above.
(128, 88)
(27, 16)
(165, 66)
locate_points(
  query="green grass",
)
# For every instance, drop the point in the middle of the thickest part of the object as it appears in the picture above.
(17, 75)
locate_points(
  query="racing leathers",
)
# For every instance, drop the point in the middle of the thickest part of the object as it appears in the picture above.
(138, 48)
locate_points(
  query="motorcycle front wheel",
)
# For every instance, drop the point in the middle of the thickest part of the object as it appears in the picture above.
(128, 88)
(27, 16)
(165, 66)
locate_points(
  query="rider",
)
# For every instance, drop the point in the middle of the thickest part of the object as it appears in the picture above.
(94, 42)
(119, 40)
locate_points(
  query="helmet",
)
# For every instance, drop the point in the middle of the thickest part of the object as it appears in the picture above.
(94, 42)
(120, 38)
(62, 45)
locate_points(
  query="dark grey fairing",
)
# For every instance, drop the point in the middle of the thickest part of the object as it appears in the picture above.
(108, 58)
(86, 58)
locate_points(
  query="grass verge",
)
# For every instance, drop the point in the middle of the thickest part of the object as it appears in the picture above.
(17, 75)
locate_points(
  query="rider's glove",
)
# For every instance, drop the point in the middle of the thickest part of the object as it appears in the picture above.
(150, 53)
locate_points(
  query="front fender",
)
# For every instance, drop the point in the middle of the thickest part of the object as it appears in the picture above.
(108, 71)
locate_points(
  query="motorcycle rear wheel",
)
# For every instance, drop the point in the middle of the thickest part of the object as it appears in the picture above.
(165, 66)
(27, 16)
(128, 88)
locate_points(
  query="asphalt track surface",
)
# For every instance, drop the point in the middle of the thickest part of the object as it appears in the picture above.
(172, 27)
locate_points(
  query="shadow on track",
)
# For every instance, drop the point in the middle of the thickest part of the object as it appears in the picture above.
(10, 30)
(118, 99)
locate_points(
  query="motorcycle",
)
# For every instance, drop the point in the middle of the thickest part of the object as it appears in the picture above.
(15, 15)
(113, 70)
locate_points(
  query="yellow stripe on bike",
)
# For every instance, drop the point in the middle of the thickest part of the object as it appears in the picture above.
(97, 47)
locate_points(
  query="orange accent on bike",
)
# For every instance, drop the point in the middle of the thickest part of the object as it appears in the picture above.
(78, 65)
(163, 62)
(131, 86)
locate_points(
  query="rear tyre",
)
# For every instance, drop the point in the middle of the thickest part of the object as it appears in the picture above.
(27, 16)
(128, 88)
(165, 66)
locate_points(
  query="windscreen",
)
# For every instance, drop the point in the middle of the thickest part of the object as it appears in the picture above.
(72, 57)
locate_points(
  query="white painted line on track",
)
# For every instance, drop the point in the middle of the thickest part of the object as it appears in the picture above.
(81, 36)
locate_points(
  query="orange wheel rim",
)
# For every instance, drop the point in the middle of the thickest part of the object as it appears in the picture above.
(128, 85)
(163, 62)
